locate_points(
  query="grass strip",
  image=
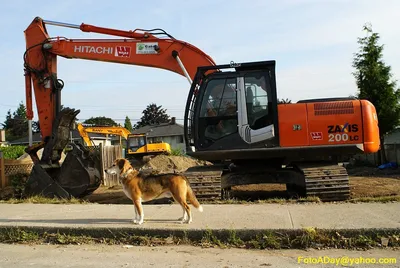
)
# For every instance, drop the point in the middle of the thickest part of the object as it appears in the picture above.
(246, 239)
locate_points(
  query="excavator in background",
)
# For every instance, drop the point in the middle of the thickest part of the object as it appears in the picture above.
(137, 145)
(106, 130)
(232, 118)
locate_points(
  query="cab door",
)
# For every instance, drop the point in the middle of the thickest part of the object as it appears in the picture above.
(255, 107)
(217, 113)
(236, 111)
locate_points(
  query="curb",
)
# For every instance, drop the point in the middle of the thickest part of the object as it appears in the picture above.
(242, 238)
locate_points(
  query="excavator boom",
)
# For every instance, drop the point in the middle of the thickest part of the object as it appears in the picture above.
(141, 49)
(138, 47)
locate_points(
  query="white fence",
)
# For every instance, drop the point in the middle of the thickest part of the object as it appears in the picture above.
(392, 155)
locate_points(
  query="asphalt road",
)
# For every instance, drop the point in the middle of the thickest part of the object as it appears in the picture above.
(99, 256)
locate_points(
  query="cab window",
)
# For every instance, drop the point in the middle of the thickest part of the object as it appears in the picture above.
(257, 102)
(219, 105)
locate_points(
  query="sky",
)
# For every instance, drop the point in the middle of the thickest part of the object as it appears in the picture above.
(312, 41)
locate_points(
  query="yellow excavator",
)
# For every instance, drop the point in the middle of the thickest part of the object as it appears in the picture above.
(137, 145)
(107, 130)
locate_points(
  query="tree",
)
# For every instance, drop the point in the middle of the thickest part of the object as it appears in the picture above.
(16, 125)
(153, 115)
(353, 96)
(9, 122)
(283, 101)
(101, 121)
(374, 83)
(128, 124)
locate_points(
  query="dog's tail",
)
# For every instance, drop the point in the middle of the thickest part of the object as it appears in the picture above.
(193, 200)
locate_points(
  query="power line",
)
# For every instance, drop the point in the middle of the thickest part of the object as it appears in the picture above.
(118, 119)
(134, 119)
(127, 107)
(8, 105)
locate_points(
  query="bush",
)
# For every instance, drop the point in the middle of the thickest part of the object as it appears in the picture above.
(13, 152)
(177, 152)
(18, 182)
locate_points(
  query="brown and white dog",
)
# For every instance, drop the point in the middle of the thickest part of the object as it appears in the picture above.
(140, 188)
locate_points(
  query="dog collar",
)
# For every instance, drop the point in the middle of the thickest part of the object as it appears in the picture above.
(123, 176)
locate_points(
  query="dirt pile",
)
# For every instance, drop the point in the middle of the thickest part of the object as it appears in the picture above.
(172, 163)
(26, 157)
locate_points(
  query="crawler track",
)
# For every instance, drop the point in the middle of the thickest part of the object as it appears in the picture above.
(328, 182)
(205, 181)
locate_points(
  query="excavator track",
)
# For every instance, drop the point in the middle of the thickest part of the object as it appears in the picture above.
(205, 181)
(329, 182)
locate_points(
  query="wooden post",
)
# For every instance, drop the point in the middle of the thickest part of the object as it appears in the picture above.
(2, 171)
(101, 148)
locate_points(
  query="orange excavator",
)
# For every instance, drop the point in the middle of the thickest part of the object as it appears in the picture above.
(232, 118)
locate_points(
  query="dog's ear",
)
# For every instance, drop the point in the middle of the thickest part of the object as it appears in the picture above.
(128, 166)
(121, 163)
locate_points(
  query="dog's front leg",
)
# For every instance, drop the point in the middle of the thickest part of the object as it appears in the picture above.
(139, 211)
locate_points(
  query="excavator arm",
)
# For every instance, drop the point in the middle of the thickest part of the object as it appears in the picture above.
(84, 130)
(84, 134)
(137, 47)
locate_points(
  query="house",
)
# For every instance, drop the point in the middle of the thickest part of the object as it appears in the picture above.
(75, 137)
(171, 133)
(392, 149)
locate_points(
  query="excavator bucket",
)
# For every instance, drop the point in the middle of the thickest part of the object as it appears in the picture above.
(80, 173)
(77, 176)
(40, 183)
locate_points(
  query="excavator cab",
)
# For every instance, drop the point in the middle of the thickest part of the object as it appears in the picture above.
(139, 146)
(135, 142)
(234, 115)
(233, 110)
